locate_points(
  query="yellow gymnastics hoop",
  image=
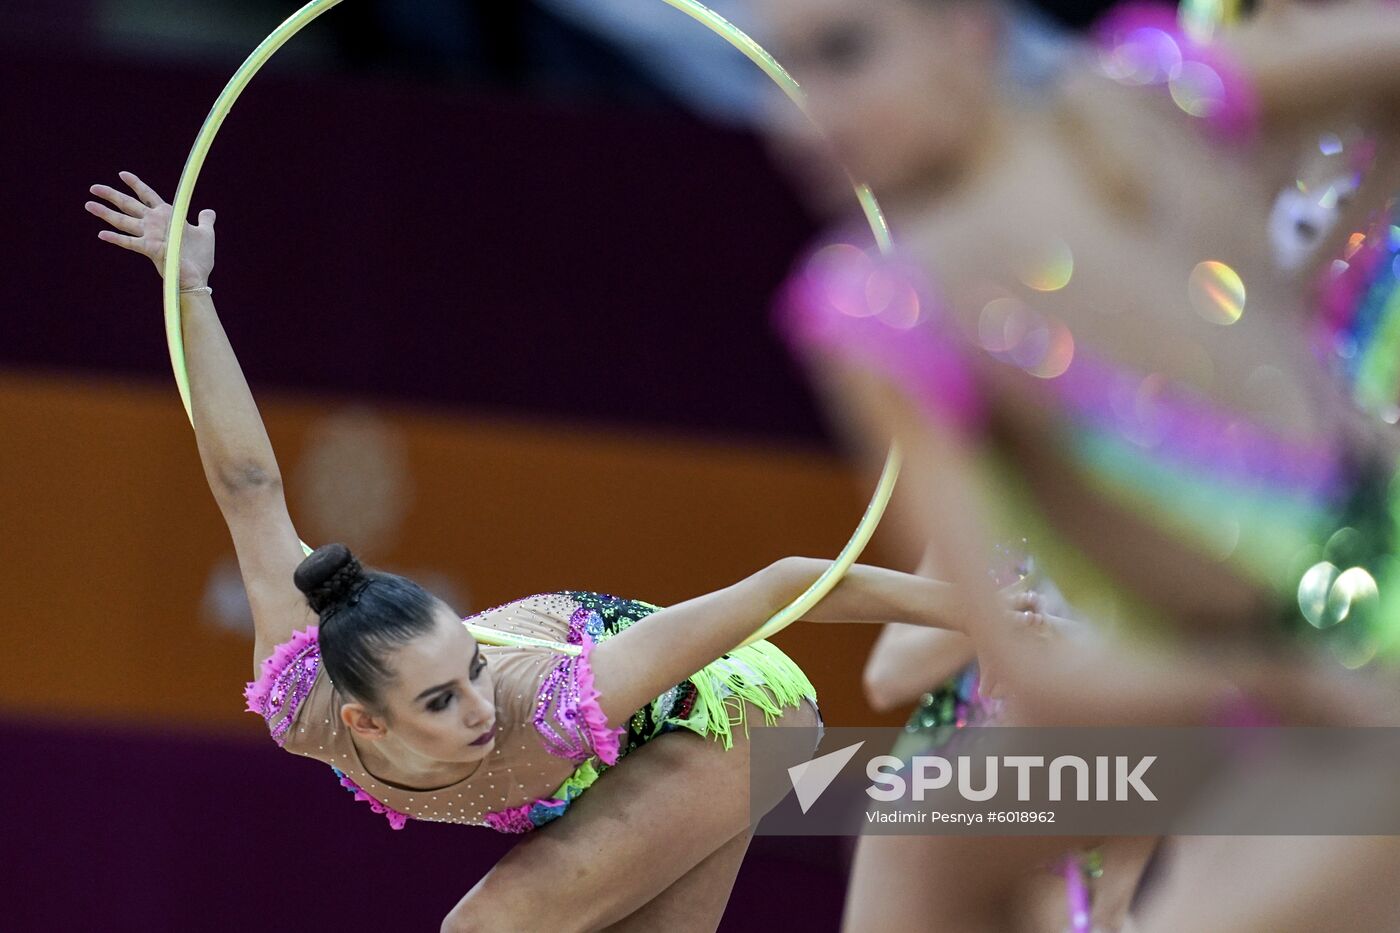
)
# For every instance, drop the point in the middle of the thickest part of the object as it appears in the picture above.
(298, 21)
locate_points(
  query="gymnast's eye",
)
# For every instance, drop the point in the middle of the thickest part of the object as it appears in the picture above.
(440, 702)
(478, 666)
(842, 48)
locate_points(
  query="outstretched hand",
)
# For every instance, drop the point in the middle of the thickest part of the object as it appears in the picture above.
(142, 225)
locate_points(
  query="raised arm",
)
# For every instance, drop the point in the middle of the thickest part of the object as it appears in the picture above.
(233, 443)
(1306, 58)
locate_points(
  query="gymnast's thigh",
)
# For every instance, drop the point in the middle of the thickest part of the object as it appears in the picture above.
(964, 883)
(1277, 884)
(696, 902)
(641, 827)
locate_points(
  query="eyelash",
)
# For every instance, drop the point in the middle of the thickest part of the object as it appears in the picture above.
(441, 701)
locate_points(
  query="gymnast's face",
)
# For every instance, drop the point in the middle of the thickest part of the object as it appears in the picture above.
(896, 87)
(441, 703)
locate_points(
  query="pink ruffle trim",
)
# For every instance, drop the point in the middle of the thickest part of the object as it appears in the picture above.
(878, 313)
(517, 820)
(605, 741)
(258, 692)
(396, 819)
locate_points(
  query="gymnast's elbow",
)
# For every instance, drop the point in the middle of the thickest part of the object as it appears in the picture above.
(793, 568)
(785, 578)
(242, 480)
(462, 920)
(882, 692)
(457, 923)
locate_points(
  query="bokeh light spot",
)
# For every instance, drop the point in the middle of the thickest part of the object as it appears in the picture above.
(844, 271)
(1217, 292)
(892, 298)
(1002, 325)
(1354, 593)
(1059, 352)
(1144, 56)
(1197, 89)
(1050, 270)
(1313, 590)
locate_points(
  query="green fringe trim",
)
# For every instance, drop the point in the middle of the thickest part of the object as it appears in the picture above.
(759, 674)
(722, 688)
(583, 778)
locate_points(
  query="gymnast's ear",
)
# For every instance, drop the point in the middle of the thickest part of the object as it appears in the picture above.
(359, 720)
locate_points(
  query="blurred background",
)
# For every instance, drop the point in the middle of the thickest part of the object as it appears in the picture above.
(499, 275)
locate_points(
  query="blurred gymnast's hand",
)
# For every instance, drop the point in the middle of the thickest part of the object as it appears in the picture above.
(142, 225)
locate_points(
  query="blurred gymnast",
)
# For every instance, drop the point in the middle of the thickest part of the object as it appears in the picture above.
(1072, 309)
(371, 674)
(898, 136)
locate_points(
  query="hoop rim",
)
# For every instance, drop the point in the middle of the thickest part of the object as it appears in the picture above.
(223, 104)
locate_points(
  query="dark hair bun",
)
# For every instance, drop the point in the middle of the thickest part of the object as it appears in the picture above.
(329, 576)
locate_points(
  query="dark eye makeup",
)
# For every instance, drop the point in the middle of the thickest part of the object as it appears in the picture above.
(445, 696)
(842, 47)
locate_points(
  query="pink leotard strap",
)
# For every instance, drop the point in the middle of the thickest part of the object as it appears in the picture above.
(567, 715)
(287, 677)
(856, 306)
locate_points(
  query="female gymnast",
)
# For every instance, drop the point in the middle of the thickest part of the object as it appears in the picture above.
(895, 134)
(1088, 304)
(371, 674)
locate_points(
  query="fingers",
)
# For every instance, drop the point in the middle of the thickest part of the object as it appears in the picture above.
(206, 218)
(123, 222)
(1034, 621)
(143, 191)
(1027, 601)
(125, 242)
(1009, 636)
(124, 201)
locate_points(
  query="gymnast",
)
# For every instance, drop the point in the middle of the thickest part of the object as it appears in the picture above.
(368, 672)
(1081, 265)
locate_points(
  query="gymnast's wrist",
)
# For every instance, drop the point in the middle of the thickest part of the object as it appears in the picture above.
(200, 288)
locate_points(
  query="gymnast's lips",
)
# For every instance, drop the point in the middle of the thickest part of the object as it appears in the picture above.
(485, 737)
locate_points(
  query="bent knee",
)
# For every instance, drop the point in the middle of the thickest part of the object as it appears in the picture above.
(803, 714)
(807, 716)
(805, 721)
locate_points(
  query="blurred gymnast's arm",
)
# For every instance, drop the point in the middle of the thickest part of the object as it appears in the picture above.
(909, 660)
(233, 444)
(1306, 59)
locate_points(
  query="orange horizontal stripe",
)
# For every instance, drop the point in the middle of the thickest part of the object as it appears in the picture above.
(111, 538)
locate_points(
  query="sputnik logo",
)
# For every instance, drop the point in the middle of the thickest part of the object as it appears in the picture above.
(811, 778)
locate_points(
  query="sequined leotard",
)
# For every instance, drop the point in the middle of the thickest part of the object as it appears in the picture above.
(552, 741)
